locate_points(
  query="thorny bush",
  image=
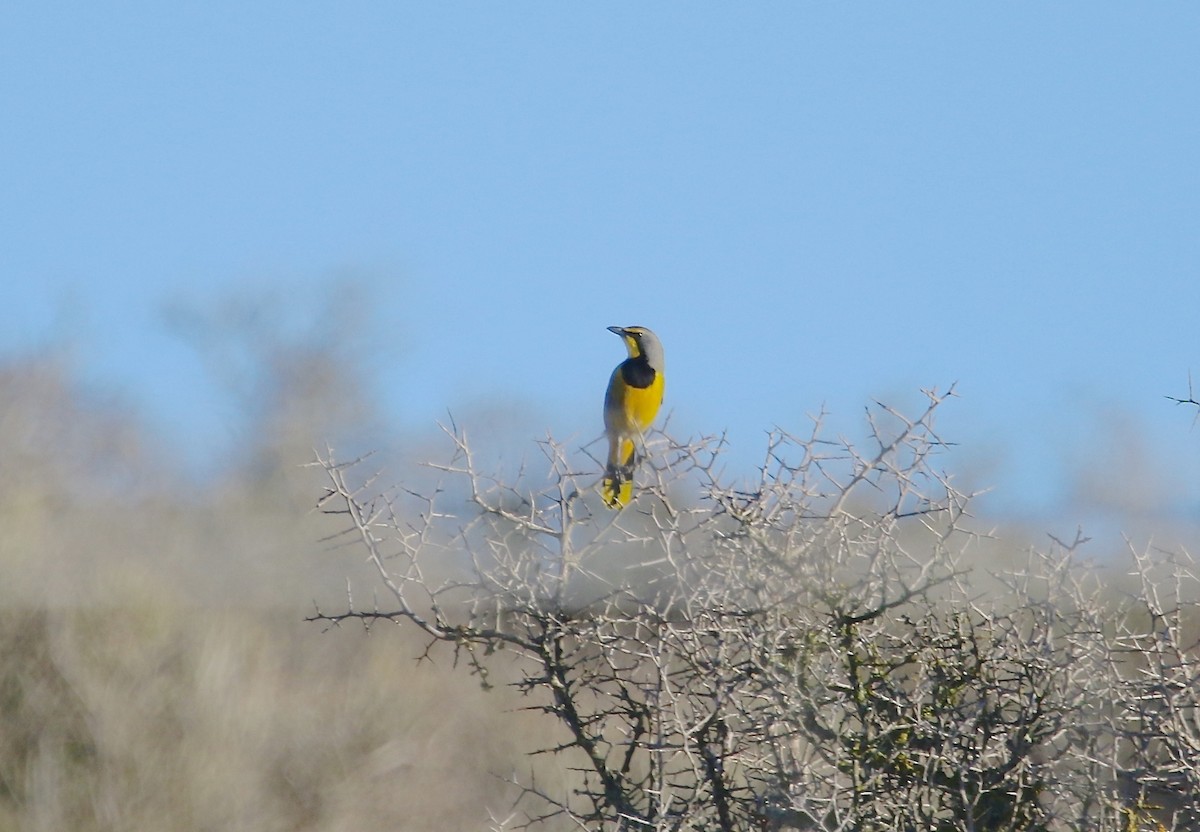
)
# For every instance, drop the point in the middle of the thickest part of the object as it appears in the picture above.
(806, 652)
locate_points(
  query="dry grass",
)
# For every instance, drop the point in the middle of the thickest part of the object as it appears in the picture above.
(149, 717)
(155, 668)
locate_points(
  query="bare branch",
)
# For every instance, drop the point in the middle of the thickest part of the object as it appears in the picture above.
(797, 651)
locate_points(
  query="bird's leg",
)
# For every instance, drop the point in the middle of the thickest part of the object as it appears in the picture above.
(639, 452)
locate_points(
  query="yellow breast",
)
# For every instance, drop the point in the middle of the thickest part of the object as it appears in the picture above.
(637, 406)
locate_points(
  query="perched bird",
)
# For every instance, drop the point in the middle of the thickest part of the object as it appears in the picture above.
(634, 395)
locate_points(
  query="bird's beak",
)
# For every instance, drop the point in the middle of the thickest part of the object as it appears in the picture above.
(617, 330)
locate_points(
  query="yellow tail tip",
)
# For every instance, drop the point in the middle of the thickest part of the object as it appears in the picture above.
(617, 491)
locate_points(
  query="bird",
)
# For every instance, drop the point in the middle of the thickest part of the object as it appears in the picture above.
(635, 393)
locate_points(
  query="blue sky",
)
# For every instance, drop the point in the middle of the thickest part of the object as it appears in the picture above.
(811, 203)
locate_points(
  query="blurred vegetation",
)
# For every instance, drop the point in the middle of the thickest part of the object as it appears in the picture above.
(155, 668)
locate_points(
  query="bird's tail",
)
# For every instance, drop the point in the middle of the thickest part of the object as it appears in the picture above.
(617, 486)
